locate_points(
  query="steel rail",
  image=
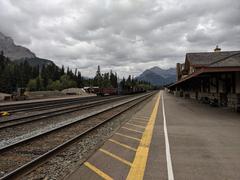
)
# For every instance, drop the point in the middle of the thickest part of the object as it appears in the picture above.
(3, 149)
(27, 103)
(24, 168)
(36, 117)
(45, 104)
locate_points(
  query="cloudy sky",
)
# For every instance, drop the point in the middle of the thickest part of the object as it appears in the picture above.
(127, 36)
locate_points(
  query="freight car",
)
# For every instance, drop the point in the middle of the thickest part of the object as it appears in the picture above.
(106, 91)
(133, 90)
(114, 91)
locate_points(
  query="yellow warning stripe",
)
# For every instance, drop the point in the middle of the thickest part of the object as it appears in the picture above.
(140, 122)
(123, 145)
(132, 130)
(130, 137)
(138, 166)
(116, 157)
(98, 171)
(136, 125)
(144, 118)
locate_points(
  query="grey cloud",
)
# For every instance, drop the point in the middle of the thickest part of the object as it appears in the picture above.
(127, 36)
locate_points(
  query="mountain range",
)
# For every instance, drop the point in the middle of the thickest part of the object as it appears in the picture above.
(18, 53)
(158, 77)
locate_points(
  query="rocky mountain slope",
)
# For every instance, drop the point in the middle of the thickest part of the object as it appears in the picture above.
(158, 76)
(19, 53)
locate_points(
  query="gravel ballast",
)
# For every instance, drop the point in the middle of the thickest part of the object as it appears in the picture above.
(66, 161)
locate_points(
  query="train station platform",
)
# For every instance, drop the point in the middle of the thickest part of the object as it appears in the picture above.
(170, 138)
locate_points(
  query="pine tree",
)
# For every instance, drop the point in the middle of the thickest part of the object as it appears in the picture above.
(79, 80)
(62, 71)
(98, 79)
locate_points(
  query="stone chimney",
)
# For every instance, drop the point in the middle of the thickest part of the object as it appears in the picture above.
(178, 69)
(217, 49)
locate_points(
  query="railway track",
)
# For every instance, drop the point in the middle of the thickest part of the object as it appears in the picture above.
(26, 154)
(42, 105)
(54, 112)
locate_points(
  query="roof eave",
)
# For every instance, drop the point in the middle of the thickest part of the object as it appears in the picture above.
(208, 70)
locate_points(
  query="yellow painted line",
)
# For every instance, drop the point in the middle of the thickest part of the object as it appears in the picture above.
(142, 117)
(130, 137)
(123, 145)
(139, 164)
(141, 120)
(98, 171)
(116, 157)
(136, 125)
(132, 130)
(136, 121)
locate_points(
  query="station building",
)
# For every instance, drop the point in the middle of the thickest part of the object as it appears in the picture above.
(211, 77)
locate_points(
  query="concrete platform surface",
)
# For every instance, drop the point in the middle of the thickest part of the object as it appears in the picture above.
(170, 138)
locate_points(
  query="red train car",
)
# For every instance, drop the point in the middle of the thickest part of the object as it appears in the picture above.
(105, 91)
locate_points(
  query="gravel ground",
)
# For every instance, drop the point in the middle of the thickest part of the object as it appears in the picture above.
(66, 161)
(3, 103)
(14, 134)
(46, 108)
(22, 154)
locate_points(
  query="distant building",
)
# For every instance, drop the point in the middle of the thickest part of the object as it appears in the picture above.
(210, 76)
